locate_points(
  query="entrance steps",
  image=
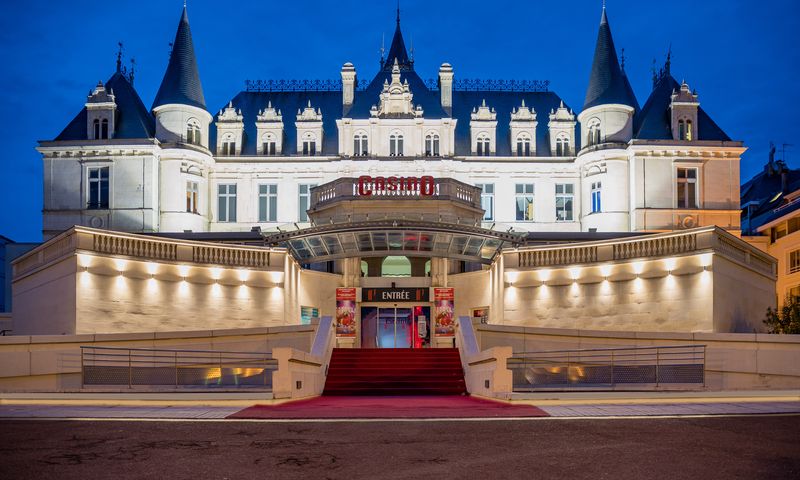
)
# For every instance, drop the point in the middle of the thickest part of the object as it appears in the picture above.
(395, 371)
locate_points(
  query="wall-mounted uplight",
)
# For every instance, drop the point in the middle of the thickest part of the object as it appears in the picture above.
(215, 272)
(574, 273)
(121, 265)
(183, 271)
(638, 267)
(152, 268)
(244, 274)
(544, 275)
(670, 264)
(605, 271)
(84, 260)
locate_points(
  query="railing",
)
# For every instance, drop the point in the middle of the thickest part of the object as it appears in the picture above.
(347, 189)
(655, 247)
(560, 256)
(135, 247)
(146, 367)
(608, 367)
(231, 256)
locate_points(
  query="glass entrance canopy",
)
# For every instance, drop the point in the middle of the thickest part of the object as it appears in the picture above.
(394, 237)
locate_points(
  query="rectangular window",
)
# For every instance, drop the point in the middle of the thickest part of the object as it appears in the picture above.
(596, 208)
(191, 197)
(487, 200)
(687, 188)
(98, 188)
(304, 201)
(565, 195)
(794, 294)
(794, 261)
(227, 202)
(524, 201)
(268, 148)
(268, 203)
(309, 148)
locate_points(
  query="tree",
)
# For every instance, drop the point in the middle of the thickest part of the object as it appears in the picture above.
(785, 319)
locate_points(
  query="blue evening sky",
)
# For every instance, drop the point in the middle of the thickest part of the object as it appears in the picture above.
(741, 56)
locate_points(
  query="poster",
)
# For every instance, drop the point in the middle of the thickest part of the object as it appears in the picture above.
(482, 313)
(443, 315)
(346, 312)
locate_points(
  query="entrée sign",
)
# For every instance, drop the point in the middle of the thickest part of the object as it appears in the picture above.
(394, 294)
(424, 186)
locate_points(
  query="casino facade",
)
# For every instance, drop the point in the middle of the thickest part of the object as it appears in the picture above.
(394, 204)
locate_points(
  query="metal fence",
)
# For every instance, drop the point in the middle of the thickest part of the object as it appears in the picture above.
(608, 367)
(134, 367)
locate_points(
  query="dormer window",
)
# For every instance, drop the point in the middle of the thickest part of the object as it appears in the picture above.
(269, 146)
(228, 145)
(193, 132)
(309, 144)
(484, 145)
(396, 145)
(523, 146)
(432, 145)
(562, 146)
(594, 132)
(360, 145)
(685, 130)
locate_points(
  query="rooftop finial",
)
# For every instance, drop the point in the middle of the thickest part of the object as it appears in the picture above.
(604, 4)
(669, 60)
(622, 60)
(119, 57)
(412, 49)
(133, 70)
(398, 12)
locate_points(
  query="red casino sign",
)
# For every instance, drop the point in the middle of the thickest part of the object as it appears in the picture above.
(423, 186)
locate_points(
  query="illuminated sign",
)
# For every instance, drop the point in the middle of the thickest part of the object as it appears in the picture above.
(423, 186)
(394, 294)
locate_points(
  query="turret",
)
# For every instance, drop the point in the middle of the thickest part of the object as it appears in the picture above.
(179, 107)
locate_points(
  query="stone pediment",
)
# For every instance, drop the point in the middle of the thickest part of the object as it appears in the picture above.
(396, 99)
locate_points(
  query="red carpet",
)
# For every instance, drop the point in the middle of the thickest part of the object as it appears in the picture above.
(452, 406)
(395, 371)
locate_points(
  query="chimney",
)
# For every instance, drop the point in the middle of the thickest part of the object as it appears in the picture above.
(348, 84)
(446, 85)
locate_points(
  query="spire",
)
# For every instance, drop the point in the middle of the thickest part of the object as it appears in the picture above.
(181, 83)
(397, 50)
(607, 82)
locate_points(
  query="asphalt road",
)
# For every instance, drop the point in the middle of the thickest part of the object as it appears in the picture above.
(697, 448)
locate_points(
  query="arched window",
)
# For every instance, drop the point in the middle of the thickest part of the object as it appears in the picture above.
(394, 266)
(309, 144)
(484, 146)
(562, 146)
(269, 145)
(104, 129)
(523, 145)
(360, 146)
(396, 145)
(364, 268)
(96, 125)
(594, 132)
(228, 145)
(432, 145)
(193, 132)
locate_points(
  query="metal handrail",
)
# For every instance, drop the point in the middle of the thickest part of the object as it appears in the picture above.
(649, 347)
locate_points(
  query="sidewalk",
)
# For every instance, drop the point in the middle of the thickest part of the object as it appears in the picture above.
(219, 405)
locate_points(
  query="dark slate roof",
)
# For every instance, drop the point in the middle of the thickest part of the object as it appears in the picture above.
(653, 122)
(181, 83)
(133, 120)
(398, 50)
(607, 82)
(331, 104)
(767, 191)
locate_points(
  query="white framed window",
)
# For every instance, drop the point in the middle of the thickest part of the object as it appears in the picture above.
(565, 198)
(483, 147)
(523, 146)
(228, 145)
(269, 145)
(226, 202)
(192, 192)
(309, 144)
(596, 196)
(193, 132)
(487, 200)
(396, 145)
(432, 145)
(98, 193)
(686, 187)
(304, 200)
(794, 261)
(562, 145)
(523, 193)
(100, 129)
(594, 132)
(360, 145)
(268, 203)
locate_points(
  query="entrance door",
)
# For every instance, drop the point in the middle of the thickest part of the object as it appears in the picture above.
(389, 327)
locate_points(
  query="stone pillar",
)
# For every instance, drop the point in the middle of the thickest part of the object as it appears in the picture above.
(348, 84)
(439, 268)
(418, 266)
(446, 85)
(374, 266)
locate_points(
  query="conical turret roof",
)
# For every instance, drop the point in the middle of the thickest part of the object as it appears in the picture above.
(181, 83)
(398, 50)
(607, 83)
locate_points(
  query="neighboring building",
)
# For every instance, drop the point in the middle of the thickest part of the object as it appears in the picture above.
(542, 166)
(771, 220)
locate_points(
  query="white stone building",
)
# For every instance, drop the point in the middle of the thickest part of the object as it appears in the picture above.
(613, 166)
